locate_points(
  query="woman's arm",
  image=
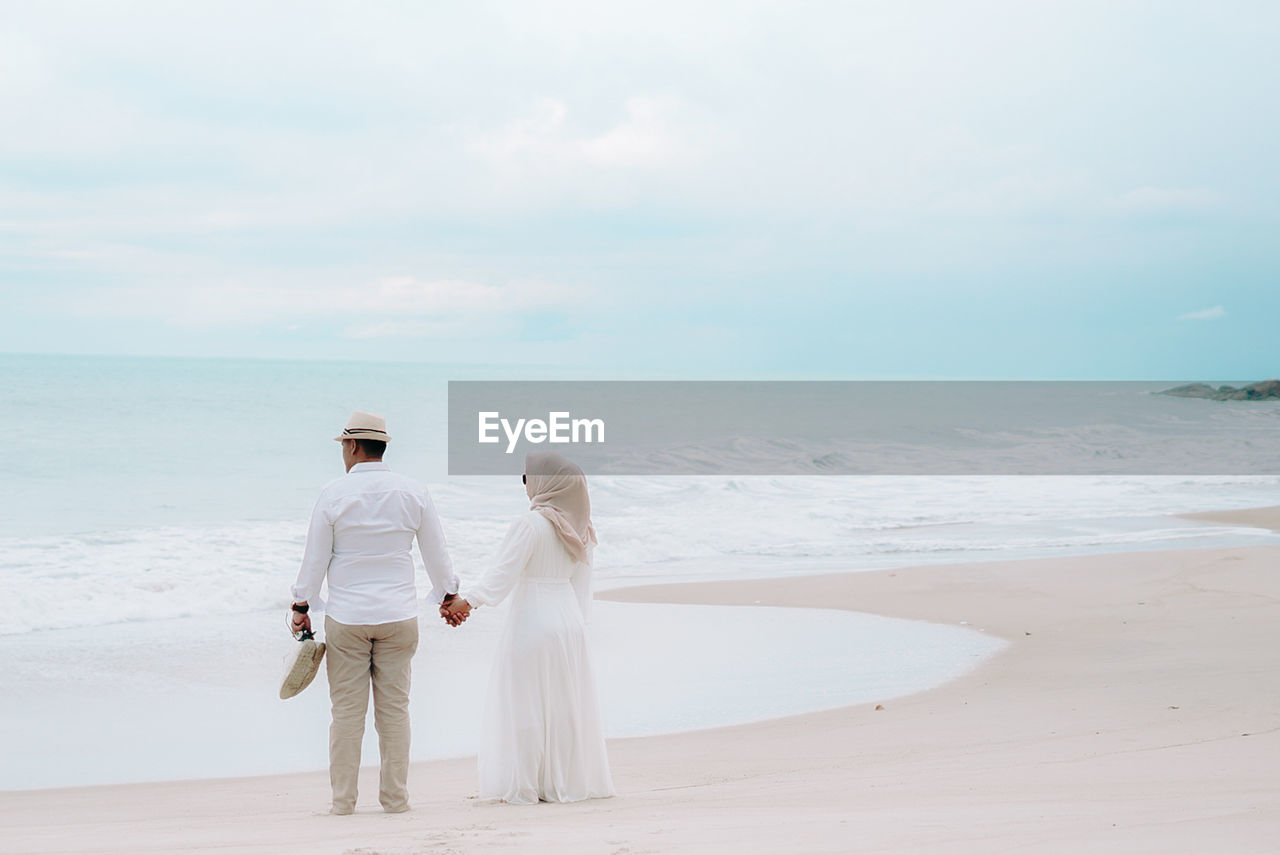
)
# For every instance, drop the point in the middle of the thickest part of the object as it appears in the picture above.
(507, 567)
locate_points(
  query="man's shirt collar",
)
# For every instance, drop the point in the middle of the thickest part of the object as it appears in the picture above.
(370, 466)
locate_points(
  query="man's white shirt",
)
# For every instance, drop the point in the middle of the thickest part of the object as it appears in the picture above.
(362, 530)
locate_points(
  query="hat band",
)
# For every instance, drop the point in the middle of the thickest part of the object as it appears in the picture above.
(363, 430)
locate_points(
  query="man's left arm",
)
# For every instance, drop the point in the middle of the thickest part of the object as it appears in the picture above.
(434, 555)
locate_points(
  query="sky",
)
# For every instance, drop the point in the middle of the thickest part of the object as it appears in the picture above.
(1061, 190)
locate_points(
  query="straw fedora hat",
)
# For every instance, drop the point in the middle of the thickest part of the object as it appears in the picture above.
(365, 426)
(301, 665)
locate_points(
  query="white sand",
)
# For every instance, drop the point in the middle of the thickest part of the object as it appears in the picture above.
(1138, 710)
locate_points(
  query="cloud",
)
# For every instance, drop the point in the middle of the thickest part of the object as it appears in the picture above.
(655, 132)
(415, 296)
(1023, 190)
(400, 171)
(1209, 314)
(648, 136)
(399, 329)
(394, 306)
(1165, 200)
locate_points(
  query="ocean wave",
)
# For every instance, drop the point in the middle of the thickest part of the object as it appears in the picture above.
(705, 526)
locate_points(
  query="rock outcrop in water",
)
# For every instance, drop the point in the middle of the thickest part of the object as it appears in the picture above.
(1262, 391)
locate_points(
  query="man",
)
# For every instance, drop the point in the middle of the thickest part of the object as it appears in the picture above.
(361, 534)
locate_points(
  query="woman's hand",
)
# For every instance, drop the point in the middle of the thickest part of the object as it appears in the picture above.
(455, 611)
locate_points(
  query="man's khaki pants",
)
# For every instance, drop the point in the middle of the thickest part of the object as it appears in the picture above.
(356, 658)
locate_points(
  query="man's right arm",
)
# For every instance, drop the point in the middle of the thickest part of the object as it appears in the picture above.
(315, 556)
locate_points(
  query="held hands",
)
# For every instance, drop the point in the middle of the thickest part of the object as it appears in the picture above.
(454, 610)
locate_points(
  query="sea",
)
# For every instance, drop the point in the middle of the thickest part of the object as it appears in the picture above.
(153, 514)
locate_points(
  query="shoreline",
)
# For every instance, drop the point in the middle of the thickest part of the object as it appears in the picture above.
(1265, 517)
(1134, 710)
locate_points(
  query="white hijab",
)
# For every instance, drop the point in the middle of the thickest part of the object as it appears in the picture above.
(557, 489)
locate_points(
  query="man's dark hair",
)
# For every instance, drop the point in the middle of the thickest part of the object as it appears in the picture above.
(372, 447)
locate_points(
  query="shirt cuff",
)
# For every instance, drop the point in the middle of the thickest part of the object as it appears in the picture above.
(437, 594)
(316, 603)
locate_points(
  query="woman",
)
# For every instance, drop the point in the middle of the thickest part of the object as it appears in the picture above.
(543, 740)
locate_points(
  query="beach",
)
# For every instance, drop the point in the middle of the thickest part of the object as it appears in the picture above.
(918, 361)
(1134, 710)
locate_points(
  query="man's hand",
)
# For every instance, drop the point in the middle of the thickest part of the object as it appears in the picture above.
(299, 621)
(445, 604)
(455, 611)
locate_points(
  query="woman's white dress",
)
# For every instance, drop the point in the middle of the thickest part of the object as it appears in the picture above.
(542, 737)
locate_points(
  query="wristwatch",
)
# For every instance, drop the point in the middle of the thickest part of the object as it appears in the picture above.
(301, 608)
